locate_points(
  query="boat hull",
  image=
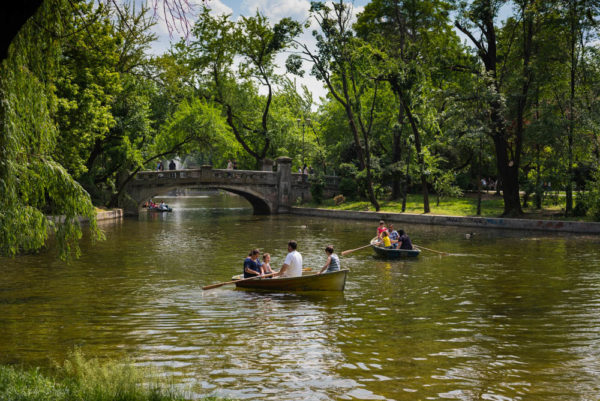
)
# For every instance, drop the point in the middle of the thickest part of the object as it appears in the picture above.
(394, 253)
(154, 209)
(335, 281)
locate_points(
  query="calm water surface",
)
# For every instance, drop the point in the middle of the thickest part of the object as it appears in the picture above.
(508, 316)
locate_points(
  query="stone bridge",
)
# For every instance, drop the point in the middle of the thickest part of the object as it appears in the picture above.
(268, 191)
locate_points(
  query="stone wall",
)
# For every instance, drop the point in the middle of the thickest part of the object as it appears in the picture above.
(480, 222)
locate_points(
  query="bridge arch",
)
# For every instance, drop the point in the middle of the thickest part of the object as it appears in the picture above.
(260, 205)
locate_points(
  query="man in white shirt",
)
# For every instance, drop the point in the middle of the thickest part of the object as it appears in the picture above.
(292, 266)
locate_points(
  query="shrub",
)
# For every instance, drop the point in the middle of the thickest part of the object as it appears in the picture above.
(81, 379)
(317, 185)
(348, 187)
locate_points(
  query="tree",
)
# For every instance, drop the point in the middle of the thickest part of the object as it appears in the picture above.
(343, 63)
(212, 55)
(32, 182)
(411, 33)
(480, 16)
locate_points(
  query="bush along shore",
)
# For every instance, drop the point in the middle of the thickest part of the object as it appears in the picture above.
(81, 379)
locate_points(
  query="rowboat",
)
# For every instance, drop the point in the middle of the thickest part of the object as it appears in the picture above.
(310, 281)
(158, 209)
(393, 253)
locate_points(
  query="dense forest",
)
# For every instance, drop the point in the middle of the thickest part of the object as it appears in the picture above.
(423, 96)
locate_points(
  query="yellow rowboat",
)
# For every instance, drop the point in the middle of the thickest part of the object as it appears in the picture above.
(334, 281)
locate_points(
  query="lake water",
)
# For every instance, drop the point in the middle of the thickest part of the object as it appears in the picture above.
(507, 316)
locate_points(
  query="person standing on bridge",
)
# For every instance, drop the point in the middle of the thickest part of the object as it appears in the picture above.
(292, 266)
(172, 165)
(229, 165)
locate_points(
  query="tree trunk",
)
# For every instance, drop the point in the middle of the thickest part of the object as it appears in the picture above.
(571, 116)
(396, 157)
(420, 157)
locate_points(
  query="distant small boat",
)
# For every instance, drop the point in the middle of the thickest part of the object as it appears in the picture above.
(158, 209)
(334, 281)
(393, 253)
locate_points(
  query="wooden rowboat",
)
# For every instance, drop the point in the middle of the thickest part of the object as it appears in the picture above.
(157, 209)
(334, 281)
(393, 253)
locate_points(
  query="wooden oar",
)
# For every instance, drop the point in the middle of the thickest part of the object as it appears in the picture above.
(432, 250)
(208, 287)
(352, 250)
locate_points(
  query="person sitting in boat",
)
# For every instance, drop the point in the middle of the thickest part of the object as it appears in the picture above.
(333, 261)
(163, 206)
(267, 263)
(253, 266)
(382, 228)
(404, 242)
(394, 236)
(385, 240)
(292, 266)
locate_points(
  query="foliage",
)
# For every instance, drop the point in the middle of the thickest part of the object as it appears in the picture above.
(32, 182)
(589, 202)
(317, 186)
(229, 61)
(348, 187)
(79, 379)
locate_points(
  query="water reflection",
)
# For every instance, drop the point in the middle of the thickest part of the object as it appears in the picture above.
(507, 316)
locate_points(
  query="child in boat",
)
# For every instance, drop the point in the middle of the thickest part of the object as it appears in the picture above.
(381, 229)
(385, 240)
(333, 261)
(267, 263)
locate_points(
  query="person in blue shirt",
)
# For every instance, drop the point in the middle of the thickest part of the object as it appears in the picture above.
(394, 236)
(252, 265)
(333, 261)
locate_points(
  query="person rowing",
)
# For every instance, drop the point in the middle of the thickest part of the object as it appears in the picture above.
(403, 241)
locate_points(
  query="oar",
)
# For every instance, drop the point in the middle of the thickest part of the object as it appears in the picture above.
(208, 287)
(352, 250)
(432, 250)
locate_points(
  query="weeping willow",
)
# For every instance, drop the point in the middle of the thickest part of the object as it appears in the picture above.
(33, 184)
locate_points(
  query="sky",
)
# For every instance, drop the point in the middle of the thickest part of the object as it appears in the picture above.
(274, 10)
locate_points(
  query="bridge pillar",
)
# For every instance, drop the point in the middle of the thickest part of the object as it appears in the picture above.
(284, 184)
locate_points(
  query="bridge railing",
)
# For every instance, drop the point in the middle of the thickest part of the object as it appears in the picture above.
(330, 180)
(206, 175)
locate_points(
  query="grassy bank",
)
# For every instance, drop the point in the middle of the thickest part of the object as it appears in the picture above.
(491, 206)
(80, 379)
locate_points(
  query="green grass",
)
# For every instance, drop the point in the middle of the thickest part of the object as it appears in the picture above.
(81, 379)
(491, 206)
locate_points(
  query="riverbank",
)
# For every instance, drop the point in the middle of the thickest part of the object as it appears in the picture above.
(578, 227)
(81, 379)
(101, 215)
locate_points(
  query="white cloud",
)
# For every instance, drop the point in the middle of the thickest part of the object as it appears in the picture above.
(217, 7)
(277, 9)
